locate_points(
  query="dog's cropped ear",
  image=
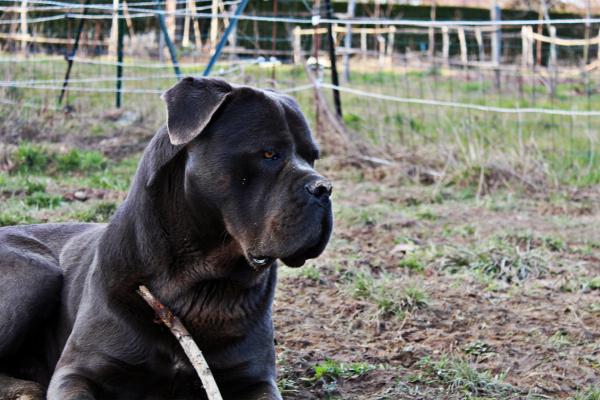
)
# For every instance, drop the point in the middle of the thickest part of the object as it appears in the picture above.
(191, 103)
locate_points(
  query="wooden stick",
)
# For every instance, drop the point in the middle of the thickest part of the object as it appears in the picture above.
(186, 341)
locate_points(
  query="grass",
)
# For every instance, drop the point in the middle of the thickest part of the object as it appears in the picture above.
(8, 218)
(557, 148)
(332, 370)
(100, 212)
(31, 158)
(43, 200)
(311, 272)
(329, 372)
(591, 393)
(592, 283)
(478, 349)
(384, 293)
(412, 263)
(456, 375)
(497, 259)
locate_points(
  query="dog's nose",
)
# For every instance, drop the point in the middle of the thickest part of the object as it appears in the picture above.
(319, 188)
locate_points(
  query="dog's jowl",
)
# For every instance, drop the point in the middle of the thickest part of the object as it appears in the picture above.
(222, 192)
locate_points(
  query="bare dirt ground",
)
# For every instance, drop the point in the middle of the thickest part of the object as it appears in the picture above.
(482, 330)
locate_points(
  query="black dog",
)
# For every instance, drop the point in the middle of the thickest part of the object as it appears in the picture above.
(225, 189)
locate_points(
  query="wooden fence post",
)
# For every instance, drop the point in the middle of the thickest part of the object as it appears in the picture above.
(381, 48)
(171, 8)
(495, 15)
(524, 47)
(431, 32)
(114, 30)
(297, 45)
(363, 44)
(445, 45)
(185, 40)
(214, 25)
(390, 44)
(24, 28)
(531, 43)
(195, 24)
(598, 47)
(552, 65)
(463, 46)
(348, 41)
(480, 47)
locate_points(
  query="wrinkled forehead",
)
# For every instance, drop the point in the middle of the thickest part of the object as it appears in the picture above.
(255, 117)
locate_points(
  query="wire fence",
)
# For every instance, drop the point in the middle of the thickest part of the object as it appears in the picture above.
(523, 92)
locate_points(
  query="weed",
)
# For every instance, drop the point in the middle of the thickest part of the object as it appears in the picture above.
(458, 375)
(287, 386)
(478, 349)
(412, 263)
(427, 215)
(352, 121)
(69, 161)
(591, 393)
(33, 187)
(384, 293)
(311, 272)
(528, 241)
(101, 212)
(330, 370)
(560, 339)
(12, 218)
(43, 200)
(77, 160)
(30, 158)
(35, 159)
(500, 260)
(592, 284)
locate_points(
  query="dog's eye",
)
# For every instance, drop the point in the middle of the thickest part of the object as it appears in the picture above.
(270, 155)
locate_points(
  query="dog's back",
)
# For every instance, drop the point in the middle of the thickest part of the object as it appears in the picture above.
(31, 279)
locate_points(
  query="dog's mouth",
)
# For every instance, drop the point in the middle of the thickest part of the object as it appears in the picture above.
(298, 259)
(260, 262)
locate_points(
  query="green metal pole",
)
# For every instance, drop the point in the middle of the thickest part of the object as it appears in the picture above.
(232, 23)
(71, 56)
(120, 34)
(168, 41)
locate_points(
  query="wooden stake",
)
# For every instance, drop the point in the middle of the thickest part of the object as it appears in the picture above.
(297, 44)
(552, 63)
(186, 341)
(114, 30)
(185, 41)
(363, 44)
(431, 33)
(171, 8)
(479, 39)
(128, 20)
(463, 46)
(214, 25)
(24, 29)
(348, 41)
(496, 41)
(195, 24)
(390, 44)
(445, 45)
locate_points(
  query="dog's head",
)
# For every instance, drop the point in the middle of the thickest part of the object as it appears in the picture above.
(250, 157)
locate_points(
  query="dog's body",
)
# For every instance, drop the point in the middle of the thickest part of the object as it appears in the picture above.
(225, 189)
